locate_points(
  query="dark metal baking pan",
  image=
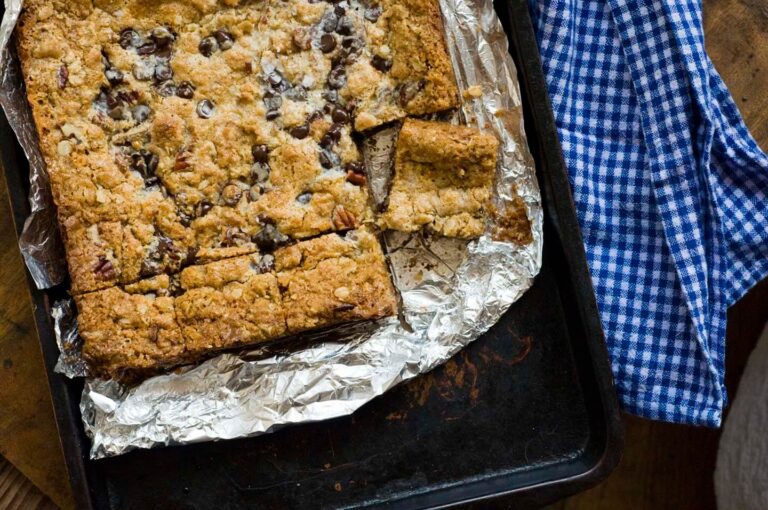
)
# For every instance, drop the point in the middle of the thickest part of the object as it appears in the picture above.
(526, 413)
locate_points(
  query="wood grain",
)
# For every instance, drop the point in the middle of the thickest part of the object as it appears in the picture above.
(18, 493)
(664, 466)
(28, 435)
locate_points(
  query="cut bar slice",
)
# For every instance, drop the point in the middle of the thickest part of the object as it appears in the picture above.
(405, 69)
(334, 279)
(443, 179)
(130, 329)
(229, 303)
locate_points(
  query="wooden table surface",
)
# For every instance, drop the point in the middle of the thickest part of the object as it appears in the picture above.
(664, 466)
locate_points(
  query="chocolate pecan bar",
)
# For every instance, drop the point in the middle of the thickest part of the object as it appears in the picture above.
(131, 329)
(334, 279)
(442, 179)
(163, 321)
(229, 303)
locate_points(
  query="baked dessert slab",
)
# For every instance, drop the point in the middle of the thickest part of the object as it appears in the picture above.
(176, 120)
(443, 178)
(333, 279)
(165, 321)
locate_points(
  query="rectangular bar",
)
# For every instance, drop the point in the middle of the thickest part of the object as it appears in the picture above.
(443, 179)
(332, 279)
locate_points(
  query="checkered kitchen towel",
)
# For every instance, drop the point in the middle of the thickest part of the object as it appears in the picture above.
(670, 188)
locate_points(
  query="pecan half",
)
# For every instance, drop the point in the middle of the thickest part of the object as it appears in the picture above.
(343, 219)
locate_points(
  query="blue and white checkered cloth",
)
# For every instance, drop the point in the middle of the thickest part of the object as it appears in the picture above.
(670, 188)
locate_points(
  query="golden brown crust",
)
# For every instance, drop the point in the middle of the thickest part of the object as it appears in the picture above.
(334, 279)
(190, 149)
(157, 323)
(228, 304)
(443, 179)
(410, 71)
(130, 330)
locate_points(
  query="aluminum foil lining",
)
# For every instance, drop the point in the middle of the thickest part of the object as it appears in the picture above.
(452, 291)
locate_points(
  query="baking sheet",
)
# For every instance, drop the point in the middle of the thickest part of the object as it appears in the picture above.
(457, 295)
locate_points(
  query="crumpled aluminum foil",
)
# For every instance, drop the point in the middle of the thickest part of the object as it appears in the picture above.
(452, 291)
(40, 242)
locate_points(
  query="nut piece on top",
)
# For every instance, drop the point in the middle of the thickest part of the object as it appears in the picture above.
(443, 179)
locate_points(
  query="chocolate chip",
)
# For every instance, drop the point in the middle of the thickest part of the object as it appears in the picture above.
(339, 10)
(332, 136)
(145, 163)
(147, 48)
(345, 26)
(260, 172)
(300, 132)
(205, 109)
(164, 53)
(272, 101)
(114, 76)
(344, 307)
(185, 90)
(143, 71)
(112, 101)
(225, 39)
(140, 113)
(304, 198)
(167, 89)
(317, 114)
(161, 36)
(272, 114)
(62, 76)
(337, 78)
(340, 115)
(372, 13)
(297, 93)
(327, 43)
(381, 63)
(202, 208)
(231, 194)
(163, 72)
(329, 159)
(277, 82)
(128, 96)
(269, 238)
(152, 161)
(129, 38)
(355, 166)
(184, 218)
(351, 41)
(104, 269)
(208, 46)
(260, 153)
